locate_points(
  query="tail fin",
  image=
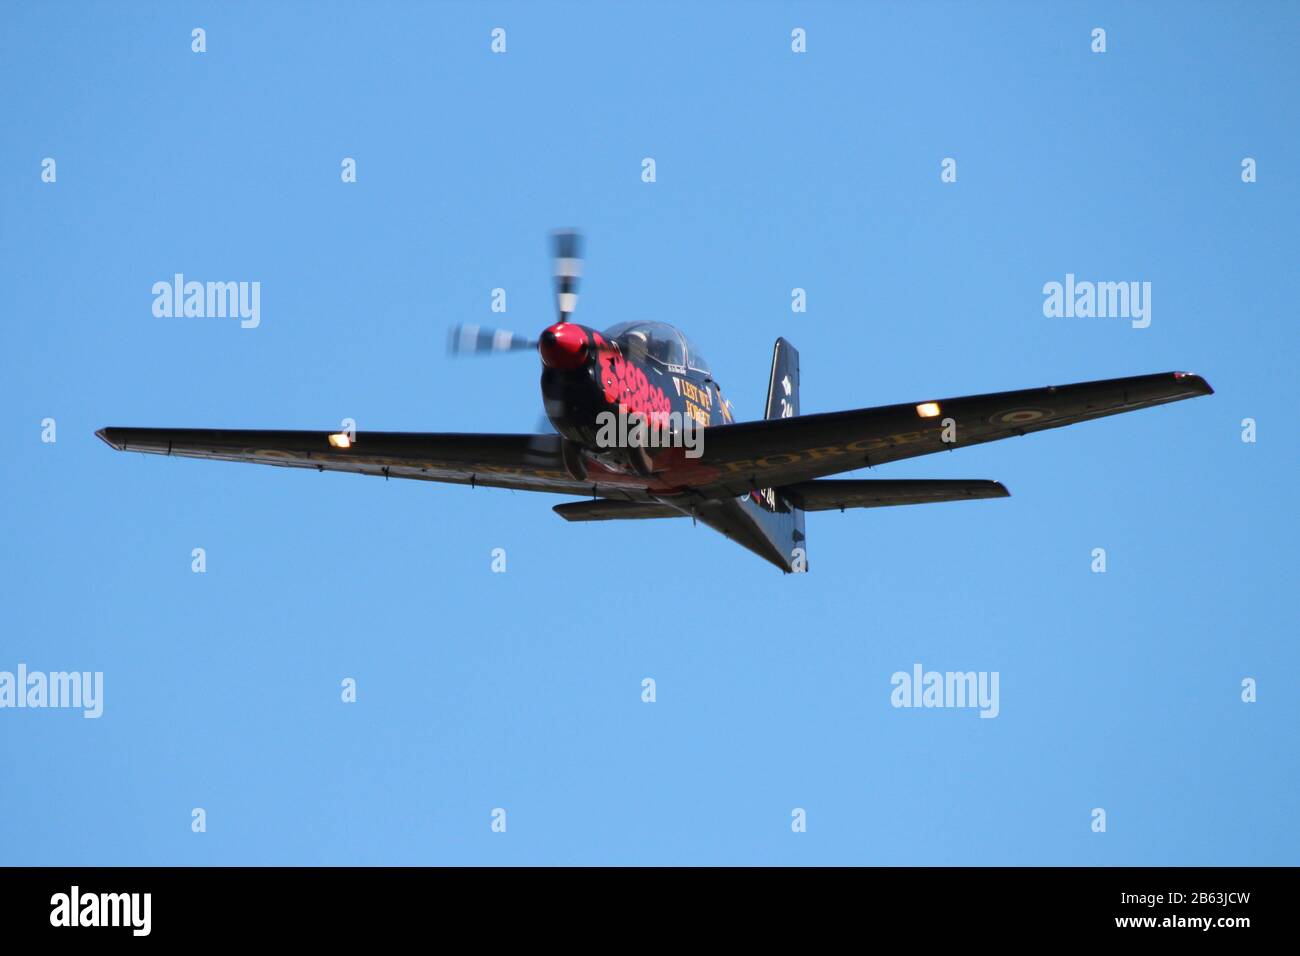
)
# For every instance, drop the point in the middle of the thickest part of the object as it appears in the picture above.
(783, 387)
(777, 517)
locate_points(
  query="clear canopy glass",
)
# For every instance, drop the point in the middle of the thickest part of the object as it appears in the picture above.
(658, 341)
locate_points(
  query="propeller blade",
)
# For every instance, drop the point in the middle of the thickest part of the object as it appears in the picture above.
(476, 340)
(567, 249)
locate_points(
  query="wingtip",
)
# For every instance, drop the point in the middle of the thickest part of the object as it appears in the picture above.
(106, 436)
(1195, 382)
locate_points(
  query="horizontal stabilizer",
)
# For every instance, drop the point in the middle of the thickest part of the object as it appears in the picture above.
(612, 509)
(828, 494)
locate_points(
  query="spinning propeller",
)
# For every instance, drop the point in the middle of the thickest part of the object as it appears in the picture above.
(566, 250)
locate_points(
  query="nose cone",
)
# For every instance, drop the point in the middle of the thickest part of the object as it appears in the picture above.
(563, 346)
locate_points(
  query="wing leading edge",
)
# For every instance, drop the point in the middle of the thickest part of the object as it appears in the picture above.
(523, 462)
(786, 451)
(738, 458)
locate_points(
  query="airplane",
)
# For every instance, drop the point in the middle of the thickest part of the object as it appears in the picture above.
(750, 480)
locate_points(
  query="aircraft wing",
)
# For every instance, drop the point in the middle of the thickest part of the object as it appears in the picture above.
(826, 494)
(773, 453)
(524, 462)
(736, 457)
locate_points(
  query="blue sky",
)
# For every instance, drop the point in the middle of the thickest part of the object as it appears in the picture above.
(523, 690)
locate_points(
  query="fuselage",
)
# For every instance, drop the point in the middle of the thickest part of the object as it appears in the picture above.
(635, 370)
(651, 371)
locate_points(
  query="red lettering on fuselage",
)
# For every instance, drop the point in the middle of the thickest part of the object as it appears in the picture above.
(626, 385)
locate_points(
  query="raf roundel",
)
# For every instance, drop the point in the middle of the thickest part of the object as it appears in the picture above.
(1020, 416)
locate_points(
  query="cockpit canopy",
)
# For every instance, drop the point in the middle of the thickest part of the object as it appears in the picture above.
(658, 341)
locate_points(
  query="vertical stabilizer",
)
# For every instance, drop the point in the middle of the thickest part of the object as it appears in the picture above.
(779, 521)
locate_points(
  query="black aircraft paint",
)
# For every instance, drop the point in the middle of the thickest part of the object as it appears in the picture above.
(753, 481)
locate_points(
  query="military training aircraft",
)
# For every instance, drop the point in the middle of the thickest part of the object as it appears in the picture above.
(641, 430)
